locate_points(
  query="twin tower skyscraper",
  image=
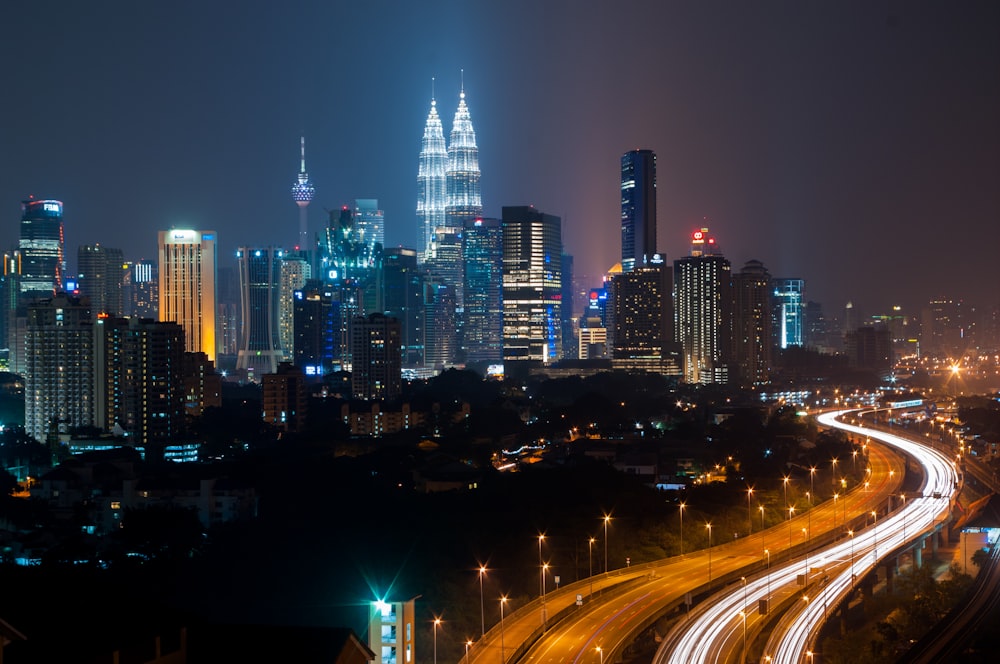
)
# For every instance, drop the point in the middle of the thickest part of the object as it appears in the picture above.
(447, 179)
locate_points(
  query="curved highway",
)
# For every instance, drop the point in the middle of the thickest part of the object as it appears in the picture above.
(717, 631)
(636, 597)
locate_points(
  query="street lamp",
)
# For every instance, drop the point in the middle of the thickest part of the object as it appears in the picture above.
(835, 496)
(545, 568)
(851, 533)
(709, 527)
(503, 600)
(590, 561)
(854, 461)
(784, 481)
(749, 512)
(812, 474)
(482, 605)
(791, 510)
(600, 653)
(468, 644)
(607, 519)
(875, 548)
(681, 511)
(768, 552)
(762, 529)
(437, 623)
(833, 471)
(541, 590)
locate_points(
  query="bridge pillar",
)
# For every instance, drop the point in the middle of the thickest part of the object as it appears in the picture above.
(918, 553)
(868, 586)
(889, 568)
(935, 537)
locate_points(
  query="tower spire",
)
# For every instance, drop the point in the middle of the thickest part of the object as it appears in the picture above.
(302, 193)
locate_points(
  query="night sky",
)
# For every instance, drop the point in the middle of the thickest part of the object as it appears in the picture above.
(854, 144)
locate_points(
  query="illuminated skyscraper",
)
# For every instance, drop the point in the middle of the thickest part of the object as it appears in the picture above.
(101, 273)
(432, 196)
(260, 275)
(702, 305)
(295, 270)
(789, 310)
(142, 296)
(138, 382)
(59, 366)
(482, 256)
(369, 221)
(638, 208)
(464, 199)
(752, 342)
(532, 285)
(377, 372)
(43, 261)
(404, 300)
(302, 193)
(187, 261)
(643, 319)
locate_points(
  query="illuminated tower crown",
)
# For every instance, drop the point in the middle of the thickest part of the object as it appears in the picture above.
(464, 199)
(431, 180)
(302, 193)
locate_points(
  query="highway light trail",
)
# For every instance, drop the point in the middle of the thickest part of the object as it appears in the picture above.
(713, 629)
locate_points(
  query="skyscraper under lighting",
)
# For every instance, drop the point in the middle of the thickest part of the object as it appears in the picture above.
(187, 262)
(260, 276)
(532, 285)
(432, 195)
(638, 185)
(702, 302)
(43, 261)
(462, 177)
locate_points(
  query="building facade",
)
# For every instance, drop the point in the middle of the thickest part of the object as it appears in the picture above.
(139, 386)
(59, 367)
(752, 336)
(43, 260)
(532, 285)
(482, 257)
(638, 189)
(376, 373)
(187, 286)
(789, 311)
(101, 277)
(260, 276)
(702, 301)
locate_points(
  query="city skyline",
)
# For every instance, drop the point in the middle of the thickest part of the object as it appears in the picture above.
(835, 144)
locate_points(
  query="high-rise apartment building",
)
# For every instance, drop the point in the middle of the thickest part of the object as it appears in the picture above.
(440, 324)
(482, 257)
(142, 294)
(702, 301)
(43, 261)
(789, 311)
(751, 328)
(638, 188)
(260, 276)
(10, 293)
(376, 372)
(187, 265)
(59, 367)
(317, 329)
(295, 271)
(101, 277)
(643, 318)
(283, 398)
(139, 386)
(532, 285)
